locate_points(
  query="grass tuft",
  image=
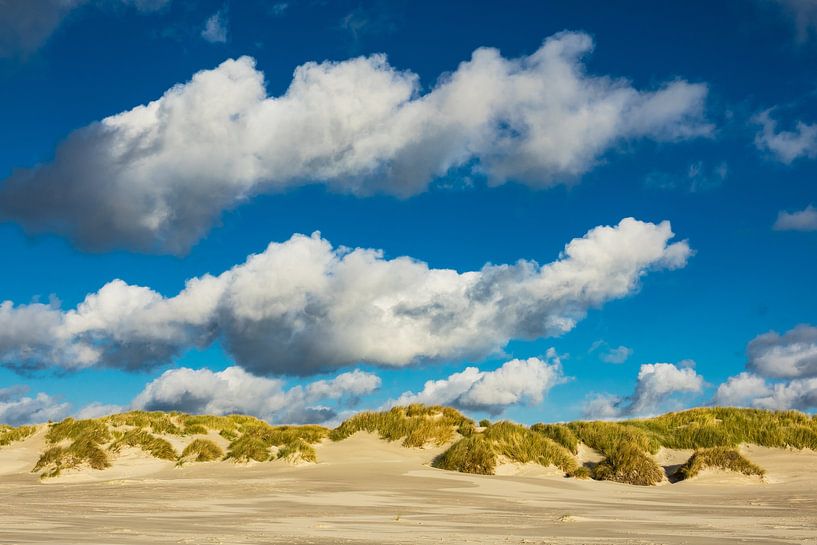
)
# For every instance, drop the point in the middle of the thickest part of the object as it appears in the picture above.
(10, 434)
(559, 433)
(155, 446)
(417, 425)
(628, 464)
(201, 450)
(719, 458)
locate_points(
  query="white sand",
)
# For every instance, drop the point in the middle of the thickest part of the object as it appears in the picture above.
(367, 491)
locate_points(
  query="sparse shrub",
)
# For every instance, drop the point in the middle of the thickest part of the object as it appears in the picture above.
(202, 450)
(484, 423)
(719, 458)
(297, 450)
(628, 464)
(258, 438)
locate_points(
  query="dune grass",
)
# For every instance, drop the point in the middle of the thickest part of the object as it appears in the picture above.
(417, 425)
(201, 450)
(480, 452)
(293, 442)
(718, 458)
(629, 464)
(10, 434)
(559, 433)
(155, 446)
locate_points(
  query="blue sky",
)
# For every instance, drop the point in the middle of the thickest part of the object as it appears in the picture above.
(713, 129)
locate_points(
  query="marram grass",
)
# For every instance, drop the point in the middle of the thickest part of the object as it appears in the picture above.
(627, 446)
(416, 425)
(718, 458)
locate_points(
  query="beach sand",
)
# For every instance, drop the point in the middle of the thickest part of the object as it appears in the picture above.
(364, 490)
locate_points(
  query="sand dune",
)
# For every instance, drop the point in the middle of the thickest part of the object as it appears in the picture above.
(365, 490)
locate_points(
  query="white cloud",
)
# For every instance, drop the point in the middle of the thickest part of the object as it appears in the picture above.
(157, 177)
(25, 25)
(798, 394)
(741, 390)
(301, 307)
(233, 390)
(16, 408)
(802, 220)
(619, 354)
(215, 28)
(786, 146)
(655, 386)
(791, 355)
(96, 410)
(515, 382)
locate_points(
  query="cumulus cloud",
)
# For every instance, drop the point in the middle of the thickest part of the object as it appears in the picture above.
(749, 390)
(655, 386)
(157, 177)
(97, 410)
(741, 390)
(215, 28)
(515, 382)
(25, 25)
(802, 220)
(17, 408)
(302, 307)
(786, 146)
(233, 390)
(791, 355)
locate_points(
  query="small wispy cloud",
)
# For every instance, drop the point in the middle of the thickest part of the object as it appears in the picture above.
(215, 28)
(802, 220)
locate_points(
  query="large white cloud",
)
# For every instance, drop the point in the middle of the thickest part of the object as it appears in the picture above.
(233, 390)
(741, 390)
(157, 177)
(655, 386)
(515, 382)
(17, 408)
(786, 146)
(302, 306)
(791, 355)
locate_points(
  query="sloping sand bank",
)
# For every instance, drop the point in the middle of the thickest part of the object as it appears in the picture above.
(367, 491)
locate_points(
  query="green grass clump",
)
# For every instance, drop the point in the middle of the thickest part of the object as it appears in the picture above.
(607, 436)
(580, 472)
(469, 455)
(202, 450)
(628, 464)
(157, 421)
(10, 434)
(417, 425)
(729, 427)
(560, 434)
(258, 438)
(155, 446)
(297, 450)
(719, 458)
(83, 451)
(480, 452)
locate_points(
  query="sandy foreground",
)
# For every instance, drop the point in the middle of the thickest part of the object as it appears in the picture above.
(364, 490)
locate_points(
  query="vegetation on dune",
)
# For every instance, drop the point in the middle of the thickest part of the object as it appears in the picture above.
(480, 452)
(293, 442)
(155, 446)
(559, 433)
(629, 464)
(469, 455)
(201, 450)
(627, 446)
(718, 458)
(10, 434)
(417, 425)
